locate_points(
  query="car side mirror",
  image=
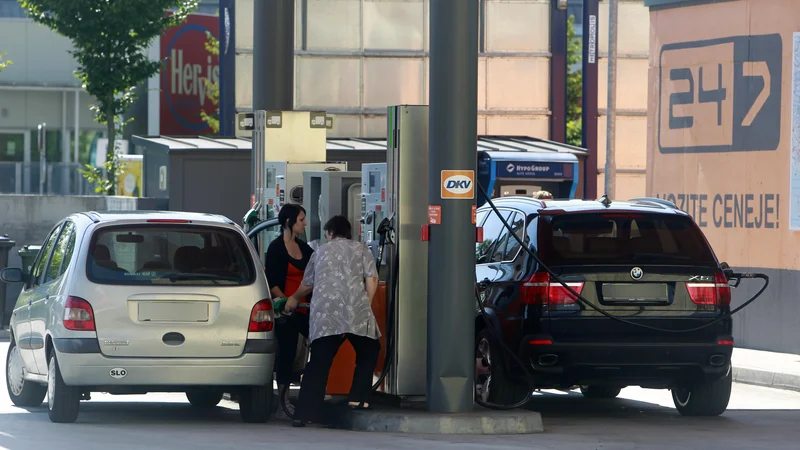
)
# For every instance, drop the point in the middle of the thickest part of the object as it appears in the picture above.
(12, 275)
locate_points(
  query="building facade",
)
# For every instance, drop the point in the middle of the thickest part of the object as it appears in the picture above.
(40, 87)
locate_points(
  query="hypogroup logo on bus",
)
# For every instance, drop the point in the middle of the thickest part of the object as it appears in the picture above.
(720, 95)
(187, 64)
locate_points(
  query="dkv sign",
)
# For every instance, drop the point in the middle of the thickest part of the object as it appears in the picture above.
(458, 184)
(187, 64)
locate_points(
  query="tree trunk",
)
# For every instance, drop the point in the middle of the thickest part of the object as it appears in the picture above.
(110, 154)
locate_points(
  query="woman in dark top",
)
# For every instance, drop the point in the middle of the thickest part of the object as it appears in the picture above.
(287, 258)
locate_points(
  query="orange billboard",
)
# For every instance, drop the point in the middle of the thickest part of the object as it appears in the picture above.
(721, 126)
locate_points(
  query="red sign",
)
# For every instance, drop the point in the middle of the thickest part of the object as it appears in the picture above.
(187, 64)
(474, 214)
(434, 214)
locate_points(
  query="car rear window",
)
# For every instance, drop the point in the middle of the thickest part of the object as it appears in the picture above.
(623, 238)
(169, 254)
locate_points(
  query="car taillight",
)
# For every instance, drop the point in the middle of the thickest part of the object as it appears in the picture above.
(78, 315)
(540, 290)
(262, 318)
(716, 293)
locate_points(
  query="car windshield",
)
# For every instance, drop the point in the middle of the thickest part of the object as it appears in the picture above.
(169, 255)
(624, 238)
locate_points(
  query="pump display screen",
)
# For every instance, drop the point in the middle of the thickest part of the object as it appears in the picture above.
(375, 182)
(270, 178)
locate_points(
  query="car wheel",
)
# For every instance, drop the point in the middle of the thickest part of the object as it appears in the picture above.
(204, 398)
(63, 401)
(704, 399)
(21, 392)
(255, 404)
(598, 391)
(492, 382)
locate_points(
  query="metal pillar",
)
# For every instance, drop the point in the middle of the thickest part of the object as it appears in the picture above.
(589, 113)
(558, 70)
(227, 65)
(451, 252)
(273, 55)
(611, 117)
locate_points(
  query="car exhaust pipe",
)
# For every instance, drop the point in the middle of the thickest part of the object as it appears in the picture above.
(548, 360)
(717, 360)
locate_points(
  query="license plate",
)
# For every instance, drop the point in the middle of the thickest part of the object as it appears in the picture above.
(635, 292)
(173, 312)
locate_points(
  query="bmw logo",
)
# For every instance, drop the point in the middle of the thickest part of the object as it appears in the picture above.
(510, 168)
(637, 273)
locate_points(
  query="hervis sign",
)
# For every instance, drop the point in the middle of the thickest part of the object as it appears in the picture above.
(458, 184)
(187, 64)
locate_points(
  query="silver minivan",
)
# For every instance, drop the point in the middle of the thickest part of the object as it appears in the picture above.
(138, 302)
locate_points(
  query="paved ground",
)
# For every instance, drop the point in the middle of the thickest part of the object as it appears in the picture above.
(758, 417)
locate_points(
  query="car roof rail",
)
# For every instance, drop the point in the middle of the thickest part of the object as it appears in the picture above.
(92, 215)
(655, 200)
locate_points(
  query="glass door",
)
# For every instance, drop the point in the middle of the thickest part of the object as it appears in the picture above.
(12, 154)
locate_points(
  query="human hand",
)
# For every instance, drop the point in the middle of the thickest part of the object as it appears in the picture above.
(291, 304)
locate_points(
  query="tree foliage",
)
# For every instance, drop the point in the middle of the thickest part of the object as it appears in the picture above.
(212, 88)
(4, 64)
(574, 85)
(110, 39)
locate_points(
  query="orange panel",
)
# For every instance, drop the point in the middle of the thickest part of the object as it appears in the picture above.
(341, 374)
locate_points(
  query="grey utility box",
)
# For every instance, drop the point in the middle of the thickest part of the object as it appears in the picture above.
(328, 194)
(215, 181)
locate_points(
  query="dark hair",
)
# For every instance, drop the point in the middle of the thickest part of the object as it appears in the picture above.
(287, 217)
(339, 227)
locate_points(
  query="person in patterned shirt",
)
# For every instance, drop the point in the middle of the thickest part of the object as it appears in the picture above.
(344, 279)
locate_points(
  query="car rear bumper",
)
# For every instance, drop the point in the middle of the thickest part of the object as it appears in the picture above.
(87, 368)
(643, 364)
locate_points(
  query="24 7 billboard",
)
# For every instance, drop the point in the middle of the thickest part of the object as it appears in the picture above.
(187, 64)
(731, 102)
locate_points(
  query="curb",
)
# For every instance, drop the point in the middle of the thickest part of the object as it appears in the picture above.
(765, 378)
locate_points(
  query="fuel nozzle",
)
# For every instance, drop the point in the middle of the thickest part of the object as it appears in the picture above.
(386, 231)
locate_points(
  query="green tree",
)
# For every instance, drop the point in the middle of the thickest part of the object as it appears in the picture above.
(212, 88)
(4, 64)
(109, 38)
(574, 85)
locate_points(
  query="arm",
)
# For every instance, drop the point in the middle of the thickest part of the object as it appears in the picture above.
(275, 269)
(370, 273)
(372, 288)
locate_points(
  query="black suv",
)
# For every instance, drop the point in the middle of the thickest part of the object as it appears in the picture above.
(643, 261)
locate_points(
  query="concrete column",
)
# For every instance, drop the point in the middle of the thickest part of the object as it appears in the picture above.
(451, 259)
(273, 55)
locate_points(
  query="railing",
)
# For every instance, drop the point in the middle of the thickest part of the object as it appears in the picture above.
(59, 179)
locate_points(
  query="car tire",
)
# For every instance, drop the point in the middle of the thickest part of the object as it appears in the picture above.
(255, 405)
(63, 401)
(204, 398)
(22, 392)
(600, 391)
(502, 389)
(704, 399)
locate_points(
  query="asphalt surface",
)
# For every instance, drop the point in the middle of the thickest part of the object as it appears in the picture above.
(757, 417)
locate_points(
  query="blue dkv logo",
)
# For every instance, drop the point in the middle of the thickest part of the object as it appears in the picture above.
(458, 184)
(720, 95)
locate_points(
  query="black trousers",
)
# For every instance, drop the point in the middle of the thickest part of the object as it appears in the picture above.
(310, 405)
(287, 333)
